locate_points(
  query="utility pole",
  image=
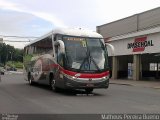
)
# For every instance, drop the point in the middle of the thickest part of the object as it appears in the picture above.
(11, 56)
(1, 42)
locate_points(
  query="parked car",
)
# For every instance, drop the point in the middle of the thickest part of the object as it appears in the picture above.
(11, 69)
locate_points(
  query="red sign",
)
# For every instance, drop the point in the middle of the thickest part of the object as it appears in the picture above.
(139, 40)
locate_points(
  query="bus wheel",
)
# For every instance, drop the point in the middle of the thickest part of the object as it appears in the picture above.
(89, 90)
(30, 79)
(53, 87)
(52, 84)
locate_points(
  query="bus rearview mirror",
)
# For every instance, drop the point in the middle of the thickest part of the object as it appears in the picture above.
(112, 48)
(61, 45)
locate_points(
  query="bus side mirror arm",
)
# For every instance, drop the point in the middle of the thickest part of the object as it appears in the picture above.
(60, 43)
(112, 48)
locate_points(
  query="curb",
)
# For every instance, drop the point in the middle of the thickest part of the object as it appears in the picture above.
(122, 84)
(11, 73)
(156, 87)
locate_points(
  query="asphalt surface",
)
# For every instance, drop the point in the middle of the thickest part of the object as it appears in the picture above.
(17, 96)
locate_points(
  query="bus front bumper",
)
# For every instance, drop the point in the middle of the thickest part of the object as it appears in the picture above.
(81, 83)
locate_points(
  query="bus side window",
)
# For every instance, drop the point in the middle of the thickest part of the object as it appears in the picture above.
(59, 56)
(54, 47)
(54, 38)
(56, 52)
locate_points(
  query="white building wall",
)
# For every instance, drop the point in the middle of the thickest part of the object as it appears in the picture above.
(121, 45)
(128, 24)
(149, 18)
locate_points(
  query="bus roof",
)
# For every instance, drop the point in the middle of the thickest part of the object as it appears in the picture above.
(72, 32)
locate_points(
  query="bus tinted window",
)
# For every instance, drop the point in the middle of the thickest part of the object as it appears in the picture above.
(86, 54)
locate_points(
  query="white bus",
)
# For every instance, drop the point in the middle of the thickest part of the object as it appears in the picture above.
(68, 59)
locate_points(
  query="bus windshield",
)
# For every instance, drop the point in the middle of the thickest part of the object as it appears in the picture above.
(85, 54)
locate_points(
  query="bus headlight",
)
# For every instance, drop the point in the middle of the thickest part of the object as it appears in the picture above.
(61, 76)
(73, 77)
(70, 77)
(105, 78)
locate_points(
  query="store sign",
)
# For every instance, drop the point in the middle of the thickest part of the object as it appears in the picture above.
(140, 44)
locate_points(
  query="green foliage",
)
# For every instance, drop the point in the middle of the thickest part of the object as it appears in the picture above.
(27, 58)
(15, 64)
(10, 64)
(18, 65)
(9, 53)
(1, 65)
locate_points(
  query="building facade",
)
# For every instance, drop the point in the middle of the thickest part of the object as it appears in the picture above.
(136, 42)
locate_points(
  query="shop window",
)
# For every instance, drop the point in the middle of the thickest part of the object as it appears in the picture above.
(153, 66)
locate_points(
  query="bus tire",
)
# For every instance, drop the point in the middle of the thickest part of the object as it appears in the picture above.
(30, 79)
(89, 90)
(53, 87)
(52, 83)
(51, 78)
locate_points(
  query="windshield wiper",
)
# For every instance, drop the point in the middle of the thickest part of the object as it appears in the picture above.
(94, 62)
(89, 61)
(84, 61)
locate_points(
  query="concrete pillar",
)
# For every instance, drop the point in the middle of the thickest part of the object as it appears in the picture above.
(136, 67)
(114, 67)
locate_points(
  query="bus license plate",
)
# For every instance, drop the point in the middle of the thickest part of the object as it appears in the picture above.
(90, 85)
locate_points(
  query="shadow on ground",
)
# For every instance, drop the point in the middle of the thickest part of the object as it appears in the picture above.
(67, 92)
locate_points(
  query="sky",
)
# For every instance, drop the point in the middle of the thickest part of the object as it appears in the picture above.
(37, 17)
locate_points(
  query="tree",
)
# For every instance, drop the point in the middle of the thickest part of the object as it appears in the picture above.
(18, 55)
(9, 53)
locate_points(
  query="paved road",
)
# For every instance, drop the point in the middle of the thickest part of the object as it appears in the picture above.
(16, 96)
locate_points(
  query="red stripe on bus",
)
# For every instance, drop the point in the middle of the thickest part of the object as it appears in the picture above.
(53, 65)
(82, 75)
(85, 75)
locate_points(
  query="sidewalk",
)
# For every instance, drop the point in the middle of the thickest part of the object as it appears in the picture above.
(149, 84)
(19, 71)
